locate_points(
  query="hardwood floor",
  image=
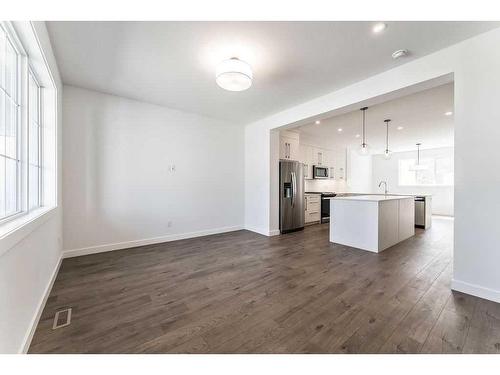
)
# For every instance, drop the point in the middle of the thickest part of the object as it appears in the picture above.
(241, 292)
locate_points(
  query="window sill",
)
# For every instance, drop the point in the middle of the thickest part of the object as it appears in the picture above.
(15, 230)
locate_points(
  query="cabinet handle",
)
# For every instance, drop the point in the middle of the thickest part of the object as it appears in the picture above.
(315, 212)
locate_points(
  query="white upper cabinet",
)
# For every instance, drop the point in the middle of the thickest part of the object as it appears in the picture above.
(305, 157)
(318, 155)
(289, 145)
(309, 155)
(339, 165)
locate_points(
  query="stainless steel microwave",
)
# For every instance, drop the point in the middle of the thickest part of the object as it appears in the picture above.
(320, 172)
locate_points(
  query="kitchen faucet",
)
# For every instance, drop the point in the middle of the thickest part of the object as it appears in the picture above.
(385, 184)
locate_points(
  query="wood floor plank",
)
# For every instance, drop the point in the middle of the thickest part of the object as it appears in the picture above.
(241, 292)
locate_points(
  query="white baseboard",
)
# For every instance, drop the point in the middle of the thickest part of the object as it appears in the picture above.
(264, 232)
(148, 241)
(274, 232)
(444, 217)
(475, 290)
(34, 323)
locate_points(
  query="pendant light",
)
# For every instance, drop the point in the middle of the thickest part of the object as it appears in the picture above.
(418, 166)
(387, 152)
(363, 149)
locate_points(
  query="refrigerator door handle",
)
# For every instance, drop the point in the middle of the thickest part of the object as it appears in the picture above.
(294, 188)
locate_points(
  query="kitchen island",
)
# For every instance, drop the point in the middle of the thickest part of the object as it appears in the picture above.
(372, 222)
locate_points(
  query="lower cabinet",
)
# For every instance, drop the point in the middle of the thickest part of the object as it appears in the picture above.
(312, 208)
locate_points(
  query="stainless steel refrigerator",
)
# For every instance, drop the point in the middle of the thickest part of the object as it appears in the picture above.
(291, 196)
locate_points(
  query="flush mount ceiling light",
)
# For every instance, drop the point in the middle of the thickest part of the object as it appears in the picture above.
(339, 130)
(418, 166)
(357, 136)
(399, 53)
(234, 75)
(400, 128)
(449, 113)
(363, 149)
(317, 122)
(379, 27)
(387, 153)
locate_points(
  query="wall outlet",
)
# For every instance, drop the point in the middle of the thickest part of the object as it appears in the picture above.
(171, 168)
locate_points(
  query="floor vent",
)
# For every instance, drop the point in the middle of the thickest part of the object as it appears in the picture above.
(62, 318)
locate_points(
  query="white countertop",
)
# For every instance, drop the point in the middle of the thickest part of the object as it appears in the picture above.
(389, 193)
(373, 198)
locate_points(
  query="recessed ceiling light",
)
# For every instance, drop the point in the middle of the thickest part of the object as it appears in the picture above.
(379, 27)
(400, 128)
(317, 122)
(449, 113)
(339, 129)
(234, 75)
(399, 53)
(357, 136)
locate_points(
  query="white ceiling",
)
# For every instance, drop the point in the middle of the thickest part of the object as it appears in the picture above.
(173, 63)
(422, 116)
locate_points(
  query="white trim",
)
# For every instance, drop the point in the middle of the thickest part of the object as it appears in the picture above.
(263, 231)
(147, 241)
(34, 323)
(15, 230)
(475, 290)
(443, 217)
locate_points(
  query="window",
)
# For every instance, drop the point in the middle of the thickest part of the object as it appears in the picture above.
(34, 144)
(9, 127)
(439, 172)
(20, 131)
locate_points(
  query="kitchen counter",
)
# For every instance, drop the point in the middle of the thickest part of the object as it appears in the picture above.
(388, 193)
(373, 198)
(372, 222)
(358, 194)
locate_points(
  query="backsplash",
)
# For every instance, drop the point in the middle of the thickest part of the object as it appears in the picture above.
(326, 185)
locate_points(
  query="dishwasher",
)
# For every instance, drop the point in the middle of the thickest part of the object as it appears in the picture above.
(420, 212)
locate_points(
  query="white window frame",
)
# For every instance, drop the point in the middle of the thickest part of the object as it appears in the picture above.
(11, 38)
(40, 140)
(14, 228)
(416, 184)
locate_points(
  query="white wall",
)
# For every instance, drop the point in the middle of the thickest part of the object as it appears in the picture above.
(258, 194)
(359, 173)
(118, 189)
(28, 267)
(474, 65)
(387, 170)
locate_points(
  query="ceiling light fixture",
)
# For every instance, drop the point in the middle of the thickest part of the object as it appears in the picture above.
(339, 130)
(379, 27)
(399, 53)
(387, 153)
(317, 122)
(363, 149)
(418, 166)
(357, 136)
(234, 75)
(400, 128)
(449, 113)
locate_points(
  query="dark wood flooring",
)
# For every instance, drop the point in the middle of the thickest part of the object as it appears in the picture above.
(241, 292)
